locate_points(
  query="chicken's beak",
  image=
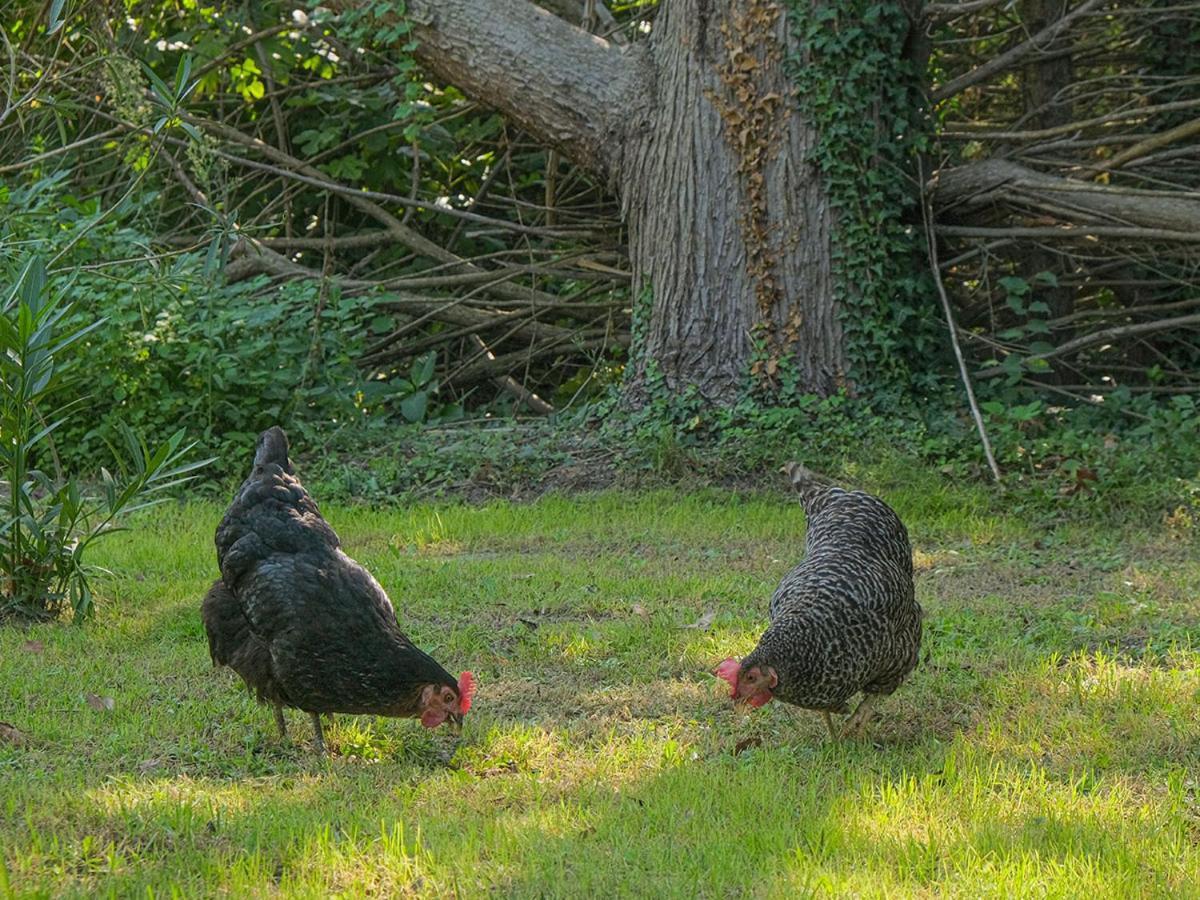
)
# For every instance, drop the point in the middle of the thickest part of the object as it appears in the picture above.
(455, 721)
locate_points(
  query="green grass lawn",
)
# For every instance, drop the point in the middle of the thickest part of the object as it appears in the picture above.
(1048, 744)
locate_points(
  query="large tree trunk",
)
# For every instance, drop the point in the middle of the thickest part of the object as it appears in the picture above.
(729, 227)
(700, 133)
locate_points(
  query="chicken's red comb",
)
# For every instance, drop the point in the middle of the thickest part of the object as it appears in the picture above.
(466, 690)
(728, 670)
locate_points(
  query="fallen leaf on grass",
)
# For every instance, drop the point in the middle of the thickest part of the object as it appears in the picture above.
(639, 610)
(702, 623)
(10, 735)
(100, 704)
(745, 744)
(34, 646)
(147, 765)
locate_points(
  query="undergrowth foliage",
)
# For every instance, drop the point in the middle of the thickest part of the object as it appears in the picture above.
(1139, 463)
(178, 344)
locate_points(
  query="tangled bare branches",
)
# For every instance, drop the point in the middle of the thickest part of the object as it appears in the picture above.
(1069, 196)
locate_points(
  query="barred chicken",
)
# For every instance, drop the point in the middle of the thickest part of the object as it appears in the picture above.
(845, 620)
(303, 624)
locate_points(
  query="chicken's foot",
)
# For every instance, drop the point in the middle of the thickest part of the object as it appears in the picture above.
(279, 721)
(857, 723)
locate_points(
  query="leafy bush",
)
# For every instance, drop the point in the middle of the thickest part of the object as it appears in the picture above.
(48, 522)
(179, 345)
(230, 360)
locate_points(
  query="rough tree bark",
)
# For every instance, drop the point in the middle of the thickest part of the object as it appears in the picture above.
(728, 224)
(698, 131)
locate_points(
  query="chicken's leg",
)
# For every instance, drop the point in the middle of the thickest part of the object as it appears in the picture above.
(829, 724)
(279, 721)
(318, 734)
(857, 722)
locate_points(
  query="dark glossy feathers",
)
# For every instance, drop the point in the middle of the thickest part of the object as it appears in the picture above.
(304, 624)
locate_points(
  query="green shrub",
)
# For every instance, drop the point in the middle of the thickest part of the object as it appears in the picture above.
(48, 521)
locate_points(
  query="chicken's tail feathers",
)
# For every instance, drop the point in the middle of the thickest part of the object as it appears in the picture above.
(804, 479)
(272, 447)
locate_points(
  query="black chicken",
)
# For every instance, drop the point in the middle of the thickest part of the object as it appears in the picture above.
(302, 623)
(845, 620)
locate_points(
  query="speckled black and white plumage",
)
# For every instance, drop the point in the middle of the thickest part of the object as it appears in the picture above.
(303, 624)
(845, 619)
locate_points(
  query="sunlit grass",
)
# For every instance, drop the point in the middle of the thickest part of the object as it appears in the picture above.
(1049, 744)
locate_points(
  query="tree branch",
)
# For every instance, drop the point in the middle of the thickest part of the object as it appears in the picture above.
(514, 387)
(1150, 144)
(298, 170)
(1104, 336)
(482, 367)
(969, 192)
(943, 12)
(935, 270)
(1134, 114)
(569, 89)
(1067, 232)
(249, 258)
